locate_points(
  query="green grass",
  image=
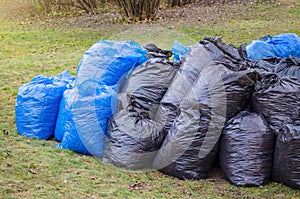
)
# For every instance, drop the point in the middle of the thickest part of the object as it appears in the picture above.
(32, 168)
(246, 26)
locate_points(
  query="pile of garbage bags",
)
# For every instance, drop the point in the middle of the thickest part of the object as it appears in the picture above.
(178, 111)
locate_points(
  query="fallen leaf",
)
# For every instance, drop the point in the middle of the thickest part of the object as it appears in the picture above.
(32, 171)
(5, 132)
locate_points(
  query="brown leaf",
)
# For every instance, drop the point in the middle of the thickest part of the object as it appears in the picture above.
(5, 132)
(137, 185)
(32, 171)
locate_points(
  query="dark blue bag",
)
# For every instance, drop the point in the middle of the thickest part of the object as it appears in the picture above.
(37, 105)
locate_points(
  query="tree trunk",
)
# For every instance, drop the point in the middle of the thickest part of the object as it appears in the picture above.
(178, 2)
(139, 9)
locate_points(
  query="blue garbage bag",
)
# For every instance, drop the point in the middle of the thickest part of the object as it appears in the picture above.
(179, 51)
(108, 61)
(285, 45)
(63, 116)
(258, 50)
(282, 46)
(97, 80)
(37, 105)
(86, 113)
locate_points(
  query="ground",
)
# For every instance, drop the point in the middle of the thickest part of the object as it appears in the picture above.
(39, 44)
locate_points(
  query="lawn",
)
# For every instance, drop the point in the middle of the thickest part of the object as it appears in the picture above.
(32, 168)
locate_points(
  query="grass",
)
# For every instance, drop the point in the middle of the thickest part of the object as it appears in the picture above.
(33, 168)
(243, 26)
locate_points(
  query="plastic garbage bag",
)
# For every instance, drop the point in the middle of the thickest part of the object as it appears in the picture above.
(181, 84)
(98, 78)
(283, 67)
(282, 45)
(267, 65)
(191, 144)
(288, 67)
(62, 117)
(179, 51)
(208, 52)
(135, 134)
(86, 113)
(37, 105)
(233, 58)
(107, 61)
(154, 52)
(277, 99)
(286, 168)
(258, 50)
(246, 150)
(67, 78)
(285, 45)
(66, 128)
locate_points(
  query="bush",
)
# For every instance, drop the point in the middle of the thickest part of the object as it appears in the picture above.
(88, 6)
(139, 9)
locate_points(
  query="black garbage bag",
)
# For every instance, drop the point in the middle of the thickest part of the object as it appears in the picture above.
(192, 65)
(285, 67)
(267, 65)
(246, 150)
(233, 58)
(207, 52)
(134, 134)
(286, 168)
(154, 52)
(288, 67)
(191, 145)
(277, 99)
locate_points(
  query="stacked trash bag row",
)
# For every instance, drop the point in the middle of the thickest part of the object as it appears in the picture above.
(178, 111)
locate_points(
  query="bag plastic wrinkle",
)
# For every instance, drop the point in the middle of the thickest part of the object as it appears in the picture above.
(62, 116)
(286, 168)
(246, 150)
(258, 50)
(108, 61)
(277, 99)
(155, 52)
(285, 45)
(282, 46)
(135, 135)
(201, 55)
(37, 105)
(179, 51)
(85, 119)
(283, 67)
(233, 58)
(191, 145)
(288, 67)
